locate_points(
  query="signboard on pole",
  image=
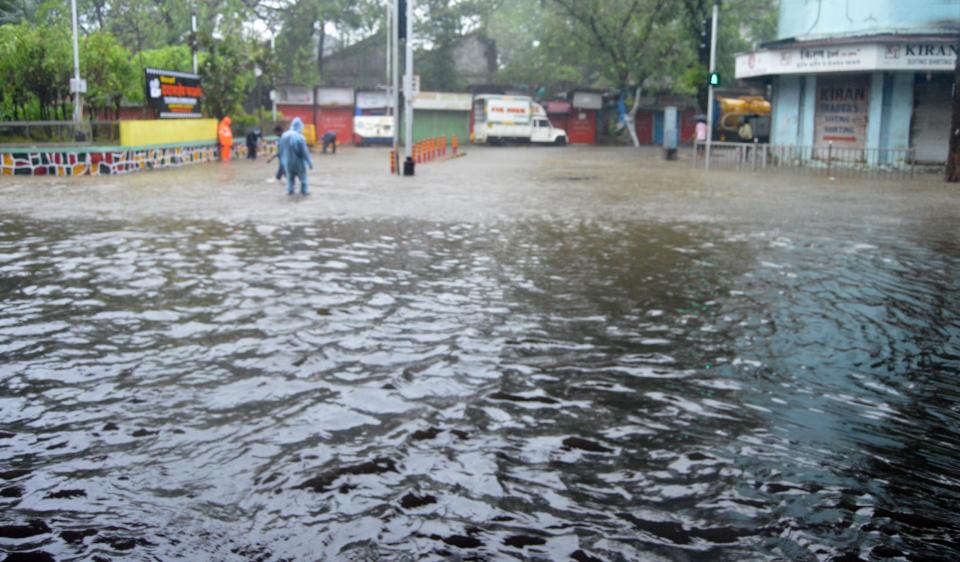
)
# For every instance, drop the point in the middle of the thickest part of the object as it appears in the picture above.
(174, 95)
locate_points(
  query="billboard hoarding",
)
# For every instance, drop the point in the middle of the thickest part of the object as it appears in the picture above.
(172, 94)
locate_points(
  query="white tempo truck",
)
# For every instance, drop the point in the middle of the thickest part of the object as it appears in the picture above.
(505, 119)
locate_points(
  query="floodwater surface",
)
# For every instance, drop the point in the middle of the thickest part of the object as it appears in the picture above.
(566, 387)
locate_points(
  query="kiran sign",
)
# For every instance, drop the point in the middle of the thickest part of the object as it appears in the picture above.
(174, 95)
(916, 57)
(842, 108)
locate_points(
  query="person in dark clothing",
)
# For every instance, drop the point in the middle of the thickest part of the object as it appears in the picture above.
(330, 139)
(253, 138)
(278, 131)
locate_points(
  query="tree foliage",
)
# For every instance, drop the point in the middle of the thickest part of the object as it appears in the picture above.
(553, 44)
(226, 73)
(105, 64)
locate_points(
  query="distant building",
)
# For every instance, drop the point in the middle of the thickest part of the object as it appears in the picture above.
(363, 65)
(869, 77)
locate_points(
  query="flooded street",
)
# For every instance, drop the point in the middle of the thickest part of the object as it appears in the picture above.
(537, 354)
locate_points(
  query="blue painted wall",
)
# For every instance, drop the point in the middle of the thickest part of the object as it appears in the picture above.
(817, 18)
(794, 107)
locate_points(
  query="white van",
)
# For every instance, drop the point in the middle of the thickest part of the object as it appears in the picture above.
(502, 119)
(373, 129)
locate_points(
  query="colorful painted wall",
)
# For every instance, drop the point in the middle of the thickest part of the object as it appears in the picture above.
(103, 161)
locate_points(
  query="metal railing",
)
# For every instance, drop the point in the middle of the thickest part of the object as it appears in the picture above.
(821, 160)
(60, 133)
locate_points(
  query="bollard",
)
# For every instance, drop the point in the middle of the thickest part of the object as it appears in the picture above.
(454, 145)
(393, 161)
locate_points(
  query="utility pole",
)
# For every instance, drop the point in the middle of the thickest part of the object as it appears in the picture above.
(395, 67)
(389, 27)
(953, 154)
(193, 36)
(77, 85)
(273, 77)
(408, 91)
(713, 69)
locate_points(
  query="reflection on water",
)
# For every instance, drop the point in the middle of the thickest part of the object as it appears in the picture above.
(530, 390)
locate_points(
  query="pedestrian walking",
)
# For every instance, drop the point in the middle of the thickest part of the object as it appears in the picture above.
(253, 139)
(700, 134)
(278, 131)
(225, 136)
(295, 157)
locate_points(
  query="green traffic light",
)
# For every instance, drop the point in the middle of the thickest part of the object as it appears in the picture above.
(714, 79)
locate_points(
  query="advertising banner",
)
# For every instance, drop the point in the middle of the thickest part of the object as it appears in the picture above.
(842, 109)
(508, 111)
(174, 95)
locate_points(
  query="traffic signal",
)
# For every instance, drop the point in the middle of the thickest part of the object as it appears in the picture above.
(401, 19)
(715, 79)
(703, 46)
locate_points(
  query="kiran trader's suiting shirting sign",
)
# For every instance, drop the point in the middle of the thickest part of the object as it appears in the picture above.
(843, 105)
(174, 95)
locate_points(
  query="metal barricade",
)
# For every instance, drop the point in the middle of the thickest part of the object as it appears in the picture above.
(826, 160)
(59, 133)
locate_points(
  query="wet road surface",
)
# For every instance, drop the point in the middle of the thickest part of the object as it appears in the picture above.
(533, 355)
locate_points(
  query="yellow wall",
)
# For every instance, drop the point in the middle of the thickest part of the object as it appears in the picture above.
(167, 131)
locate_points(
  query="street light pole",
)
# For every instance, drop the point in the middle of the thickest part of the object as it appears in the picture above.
(273, 92)
(713, 68)
(395, 68)
(193, 38)
(77, 85)
(408, 85)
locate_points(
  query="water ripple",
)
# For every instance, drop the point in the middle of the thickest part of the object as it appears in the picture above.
(360, 390)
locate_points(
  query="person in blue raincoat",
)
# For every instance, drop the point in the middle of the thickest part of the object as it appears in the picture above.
(294, 155)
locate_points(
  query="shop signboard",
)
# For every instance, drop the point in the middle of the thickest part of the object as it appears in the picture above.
(442, 101)
(174, 95)
(905, 56)
(295, 95)
(843, 105)
(335, 97)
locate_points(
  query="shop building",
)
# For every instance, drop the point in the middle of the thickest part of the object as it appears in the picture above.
(868, 78)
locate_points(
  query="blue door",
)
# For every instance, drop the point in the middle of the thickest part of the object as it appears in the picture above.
(658, 128)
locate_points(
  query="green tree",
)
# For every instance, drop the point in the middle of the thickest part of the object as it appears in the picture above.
(16, 11)
(227, 74)
(106, 66)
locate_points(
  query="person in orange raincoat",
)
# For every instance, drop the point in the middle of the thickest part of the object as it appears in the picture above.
(226, 139)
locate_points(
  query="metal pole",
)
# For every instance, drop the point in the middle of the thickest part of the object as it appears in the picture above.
(389, 42)
(273, 91)
(193, 43)
(713, 68)
(408, 85)
(395, 66)
(77, 100)
(953, 149)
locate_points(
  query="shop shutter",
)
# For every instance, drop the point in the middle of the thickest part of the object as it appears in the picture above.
(930, 127)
